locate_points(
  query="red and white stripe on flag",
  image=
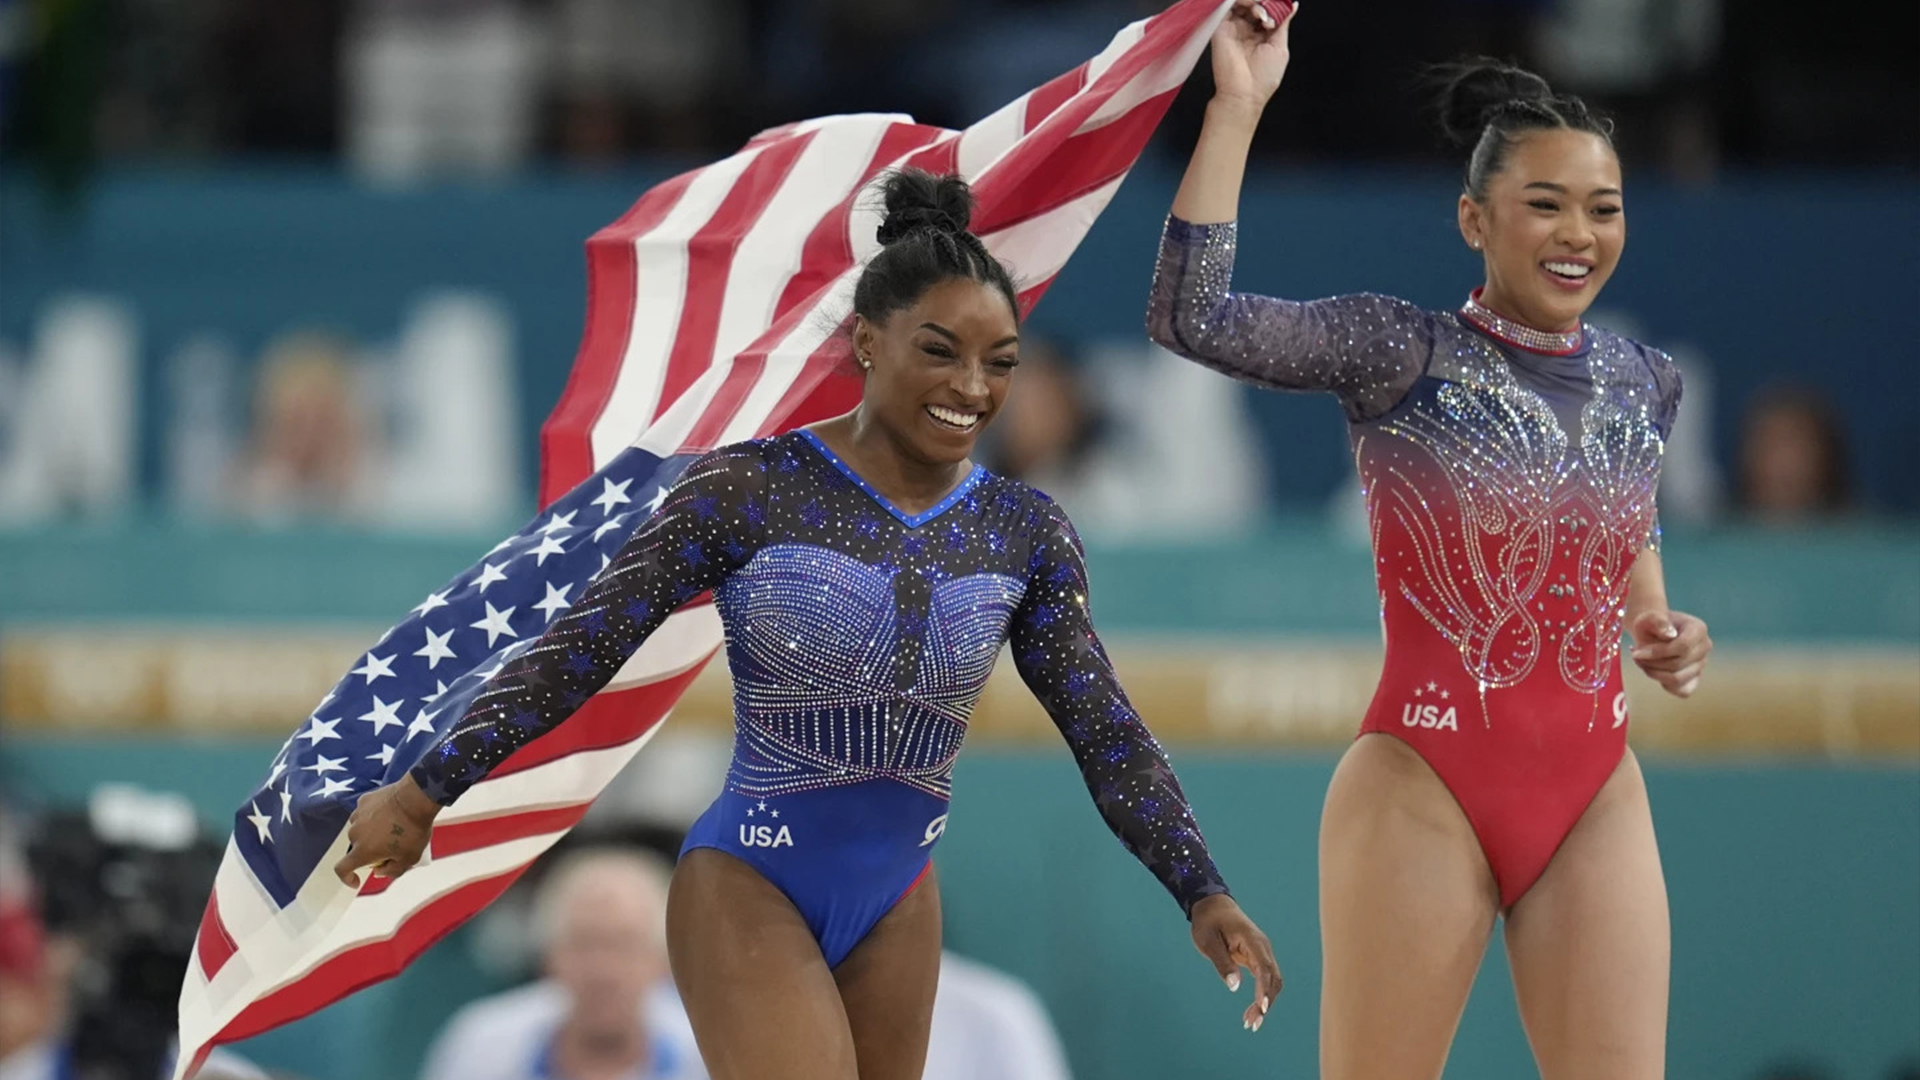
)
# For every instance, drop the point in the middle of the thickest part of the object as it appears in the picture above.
(713, 307)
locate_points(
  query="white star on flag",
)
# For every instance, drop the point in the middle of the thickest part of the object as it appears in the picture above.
(286, 802)
(433, 600)
(375, 667)
(436, 648)
(438, 689)
(549, 545)
(612, 495)
(262, 823)
(333, 787)
(607, 526)
(559, 522)
(385, 755)
(318, 730)
(422, 723)
(489, 574)
(325, 765)
(383, 713)
(555, 601)
(507, 543)
(495, 624)
(659, 499)
(605, 561)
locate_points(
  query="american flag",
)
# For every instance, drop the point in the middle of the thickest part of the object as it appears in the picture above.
(712, 313)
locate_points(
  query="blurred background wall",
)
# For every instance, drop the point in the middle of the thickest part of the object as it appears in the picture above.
(285, 293)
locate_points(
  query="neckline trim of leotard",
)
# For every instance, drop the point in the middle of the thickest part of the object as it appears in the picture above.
(911, 521)
(1519, 335)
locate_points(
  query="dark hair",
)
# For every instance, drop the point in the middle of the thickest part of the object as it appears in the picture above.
(1488, 105)
(924, 242)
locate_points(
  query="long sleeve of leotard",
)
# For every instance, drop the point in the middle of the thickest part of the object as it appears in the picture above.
(1667, 386)
(1061, 659)
(709, 525)
(1368, 350)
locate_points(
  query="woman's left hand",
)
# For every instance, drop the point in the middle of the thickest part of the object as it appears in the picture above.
(1672, 648)
(1224, 935)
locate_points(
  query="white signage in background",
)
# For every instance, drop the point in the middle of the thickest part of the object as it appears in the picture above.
(424, 434)
(67, 415)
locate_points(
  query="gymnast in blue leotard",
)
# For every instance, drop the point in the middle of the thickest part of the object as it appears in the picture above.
(868, 575)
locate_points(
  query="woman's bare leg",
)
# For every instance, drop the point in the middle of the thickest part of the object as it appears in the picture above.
(763, 1004)
(887, 985)
(1590, 944)
(1407, 905)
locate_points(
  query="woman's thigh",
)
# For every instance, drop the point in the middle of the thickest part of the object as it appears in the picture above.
(1590, 944)
(763, 1003)
(1407, 904)
(887, 985)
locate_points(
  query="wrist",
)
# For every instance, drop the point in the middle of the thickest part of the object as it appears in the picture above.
(414, 800)
(1235, 111)
(1207, 903)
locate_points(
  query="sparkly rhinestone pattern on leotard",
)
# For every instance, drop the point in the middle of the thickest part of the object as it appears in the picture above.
(859, 639)
(1509, 489)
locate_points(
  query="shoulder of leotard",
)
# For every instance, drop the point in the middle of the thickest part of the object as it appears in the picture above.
(1048, 516)
(1660, 364)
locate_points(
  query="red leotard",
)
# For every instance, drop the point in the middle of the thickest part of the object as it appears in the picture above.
(1510, 478)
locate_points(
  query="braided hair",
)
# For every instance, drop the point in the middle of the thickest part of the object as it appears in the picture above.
(1489, 105)
(925, 241)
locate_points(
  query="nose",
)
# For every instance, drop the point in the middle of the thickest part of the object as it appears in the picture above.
(971, 383)
(1576, 232)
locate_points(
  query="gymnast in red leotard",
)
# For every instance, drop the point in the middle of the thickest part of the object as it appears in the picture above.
(1510, 455)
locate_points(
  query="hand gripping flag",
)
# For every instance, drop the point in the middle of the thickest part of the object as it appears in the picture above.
(714, 311)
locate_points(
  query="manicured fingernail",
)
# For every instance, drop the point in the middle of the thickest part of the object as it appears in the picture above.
(1246, 1025)
(1257, 1021)
(1670, 633)
(1233, 983)
(1263, 1004)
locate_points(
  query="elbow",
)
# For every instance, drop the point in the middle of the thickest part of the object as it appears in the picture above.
(1163, 329)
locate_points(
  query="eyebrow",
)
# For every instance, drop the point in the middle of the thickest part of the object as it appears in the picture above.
(1547, 185)
(1012, 339)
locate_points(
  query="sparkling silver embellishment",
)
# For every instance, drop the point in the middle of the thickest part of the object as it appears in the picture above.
(1563, 343)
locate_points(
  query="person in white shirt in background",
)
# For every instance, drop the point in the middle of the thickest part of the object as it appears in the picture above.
(606, 1009)
(988, 1025)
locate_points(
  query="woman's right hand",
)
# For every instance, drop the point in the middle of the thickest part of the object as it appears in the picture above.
(388, 831)
(1250, 53)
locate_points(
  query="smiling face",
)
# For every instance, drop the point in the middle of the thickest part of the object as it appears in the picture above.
(1551, 227)
(938, 369)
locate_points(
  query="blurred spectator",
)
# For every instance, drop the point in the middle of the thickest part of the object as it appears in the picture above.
(988, 1025)
(28, 1009)
(440, 86)
(92, 992)
(1047, 433)
(1154, 446)
(1793, 458)
(644, 74)
(311, 440)
(1650, 62)
(606, 1007)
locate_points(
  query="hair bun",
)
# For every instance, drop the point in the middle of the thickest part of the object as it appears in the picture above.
(1472, 90)
(915, 200)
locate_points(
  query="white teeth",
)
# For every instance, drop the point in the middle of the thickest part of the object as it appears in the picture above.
(1572, 270)
(953, 418)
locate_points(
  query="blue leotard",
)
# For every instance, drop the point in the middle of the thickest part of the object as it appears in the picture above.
(859, 639)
